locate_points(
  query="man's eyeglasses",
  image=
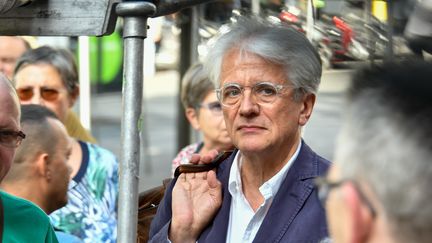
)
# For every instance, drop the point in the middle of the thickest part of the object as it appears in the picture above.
(47, 94)
(324, 187)
(11, 139)
(214, 107)
(264, 92)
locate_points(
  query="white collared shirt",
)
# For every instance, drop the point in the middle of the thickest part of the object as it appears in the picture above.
(244, 222)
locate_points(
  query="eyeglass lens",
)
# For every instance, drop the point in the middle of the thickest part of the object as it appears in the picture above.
(214, 107)
(47, 94)
(11, 138)
(324, 187)
(263, 92)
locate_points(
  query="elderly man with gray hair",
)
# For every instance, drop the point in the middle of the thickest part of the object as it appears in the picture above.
(378, 189)
(266, 76)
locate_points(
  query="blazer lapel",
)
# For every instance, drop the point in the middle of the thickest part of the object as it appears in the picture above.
(290, 198)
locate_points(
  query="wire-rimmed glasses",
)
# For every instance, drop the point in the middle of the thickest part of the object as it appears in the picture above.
(263, 92)
(11, 139)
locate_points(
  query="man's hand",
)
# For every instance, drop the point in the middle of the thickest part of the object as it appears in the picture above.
(196, 197)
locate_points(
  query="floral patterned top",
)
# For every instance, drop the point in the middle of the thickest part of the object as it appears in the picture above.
(91, 212)
(185, 154)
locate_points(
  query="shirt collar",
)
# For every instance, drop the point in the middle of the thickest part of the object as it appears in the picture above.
(270, 187)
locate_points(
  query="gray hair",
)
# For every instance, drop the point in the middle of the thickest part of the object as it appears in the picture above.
(195, 86)
(61, 59)
(386, 144)
(276, 43)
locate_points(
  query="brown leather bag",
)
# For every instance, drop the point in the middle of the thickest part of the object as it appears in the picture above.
(148, 204)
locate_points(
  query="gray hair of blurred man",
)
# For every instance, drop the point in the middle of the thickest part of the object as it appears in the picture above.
(195, 86)
(386, 144)
(274, 42)
(61, 59)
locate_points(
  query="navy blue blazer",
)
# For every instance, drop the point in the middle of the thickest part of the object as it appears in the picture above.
(296, 214)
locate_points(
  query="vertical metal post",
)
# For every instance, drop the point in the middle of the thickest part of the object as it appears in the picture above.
(310, 20)
(371, 38)
(256, 8)
(84, 78)
(183, 127)
(135, 16)
(389, 56)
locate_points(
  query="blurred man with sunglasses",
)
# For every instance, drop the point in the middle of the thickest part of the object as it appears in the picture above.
(20, 220)
(378, 189)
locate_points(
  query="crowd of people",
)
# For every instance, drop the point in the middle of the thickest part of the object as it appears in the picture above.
(253, 95)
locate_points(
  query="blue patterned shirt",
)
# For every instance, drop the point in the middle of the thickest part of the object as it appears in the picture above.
(91, 212)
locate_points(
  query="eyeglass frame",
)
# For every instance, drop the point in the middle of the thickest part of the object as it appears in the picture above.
(211, 106)
(18, 137)
(324, 187)
(41, 91)
(277, 87)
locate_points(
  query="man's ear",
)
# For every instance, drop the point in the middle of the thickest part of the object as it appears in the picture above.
(359, 213)
(192, 116)
(42, 164)
(308, 102)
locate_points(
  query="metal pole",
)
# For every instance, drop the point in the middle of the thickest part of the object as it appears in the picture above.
(135, 16)
(371, 38)
(256, 8)
(84, 78)
(310, 20)
(390, 25)
(183, 127)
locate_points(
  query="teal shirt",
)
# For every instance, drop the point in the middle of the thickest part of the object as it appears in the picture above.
(25, 222)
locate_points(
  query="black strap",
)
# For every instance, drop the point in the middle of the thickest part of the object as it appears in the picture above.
(1, 220)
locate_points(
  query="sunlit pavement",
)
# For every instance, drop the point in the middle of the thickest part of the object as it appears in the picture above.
(159, 112)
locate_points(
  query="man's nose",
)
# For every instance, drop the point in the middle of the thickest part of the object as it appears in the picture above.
(248, 104)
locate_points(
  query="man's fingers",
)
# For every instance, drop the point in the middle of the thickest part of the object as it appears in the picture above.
(212, 181)
(203, 159)
(208, 157)
(195, 158)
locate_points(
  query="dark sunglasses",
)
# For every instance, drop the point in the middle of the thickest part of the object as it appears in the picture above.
(47, 94)
(324, 187)
(11, 139)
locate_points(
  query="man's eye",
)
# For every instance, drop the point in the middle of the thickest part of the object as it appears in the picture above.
(6, 136)
(232, 92)
(265, 90)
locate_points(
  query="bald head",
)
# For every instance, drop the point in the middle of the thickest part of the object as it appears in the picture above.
(9, 122)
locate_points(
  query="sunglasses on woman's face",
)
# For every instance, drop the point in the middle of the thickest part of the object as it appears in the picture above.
(48, 94)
